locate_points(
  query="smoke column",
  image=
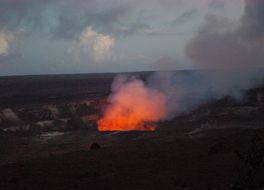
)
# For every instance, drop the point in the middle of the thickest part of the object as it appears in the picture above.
(222, 44)
(132, 106)
(227, 57)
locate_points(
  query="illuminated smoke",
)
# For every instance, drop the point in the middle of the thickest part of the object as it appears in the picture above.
(132, 106)
(228, 59)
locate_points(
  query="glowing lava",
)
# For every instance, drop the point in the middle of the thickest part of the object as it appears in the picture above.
(133, 107)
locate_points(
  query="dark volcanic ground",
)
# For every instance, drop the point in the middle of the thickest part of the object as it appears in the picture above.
(218, 146)
(167, 159)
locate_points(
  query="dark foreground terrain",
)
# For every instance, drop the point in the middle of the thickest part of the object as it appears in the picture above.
(48, 140)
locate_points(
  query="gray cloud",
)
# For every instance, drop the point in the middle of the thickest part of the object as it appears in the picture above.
(66, 19)
(252, 27)
(27, 13)
(217, 4)
(223, 44)
(230, 55)
(185, 17)
(45, 29)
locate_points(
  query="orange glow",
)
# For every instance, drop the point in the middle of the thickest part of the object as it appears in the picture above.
(133, 107)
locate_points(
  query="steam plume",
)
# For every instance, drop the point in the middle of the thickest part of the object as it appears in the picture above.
(227, 58)
(220, 43)
(133, 106)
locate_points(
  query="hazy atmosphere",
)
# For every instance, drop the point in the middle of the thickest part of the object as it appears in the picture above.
(83, 36)
(132, 94)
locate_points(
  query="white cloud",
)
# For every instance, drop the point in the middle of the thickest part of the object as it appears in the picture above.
(98, 46)
(5, 40)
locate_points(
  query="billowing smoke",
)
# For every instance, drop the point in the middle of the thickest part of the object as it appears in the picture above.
(227, 57)
(132, 106)
(186, 90)
(231, 52)
(225, 44)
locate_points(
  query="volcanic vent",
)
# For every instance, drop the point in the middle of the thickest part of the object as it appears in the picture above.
(132, 107)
